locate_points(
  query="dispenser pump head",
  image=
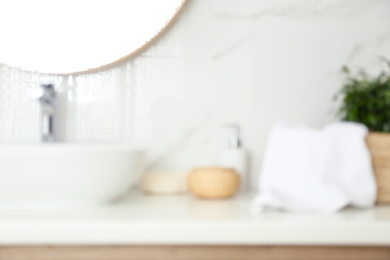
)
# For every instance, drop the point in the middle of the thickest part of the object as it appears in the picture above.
(234, 136)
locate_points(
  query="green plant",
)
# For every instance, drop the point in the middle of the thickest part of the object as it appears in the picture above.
(366, 99)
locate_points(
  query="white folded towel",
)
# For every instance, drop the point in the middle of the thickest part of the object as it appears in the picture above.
(307, 169)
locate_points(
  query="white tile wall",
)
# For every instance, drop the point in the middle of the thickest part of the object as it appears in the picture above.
(246, 61)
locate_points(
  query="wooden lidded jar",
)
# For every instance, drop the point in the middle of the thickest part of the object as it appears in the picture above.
(213, 182)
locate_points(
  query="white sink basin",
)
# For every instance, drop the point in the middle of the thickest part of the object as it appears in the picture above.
(64, 174)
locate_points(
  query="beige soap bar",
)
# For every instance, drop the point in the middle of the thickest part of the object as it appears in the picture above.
(163, 183)
(213, 182)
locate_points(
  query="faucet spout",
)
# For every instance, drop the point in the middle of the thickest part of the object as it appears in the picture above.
(48, 107)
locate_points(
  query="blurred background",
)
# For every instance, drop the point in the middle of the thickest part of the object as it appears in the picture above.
(249, 62)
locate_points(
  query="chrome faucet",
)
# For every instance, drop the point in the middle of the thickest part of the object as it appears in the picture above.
(48, 100)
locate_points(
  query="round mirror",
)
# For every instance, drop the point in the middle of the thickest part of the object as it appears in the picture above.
(78, 36)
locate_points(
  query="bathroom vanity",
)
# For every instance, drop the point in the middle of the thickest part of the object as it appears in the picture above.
(182, 227)
(167, 74)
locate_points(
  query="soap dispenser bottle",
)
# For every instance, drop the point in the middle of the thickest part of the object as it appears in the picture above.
(234, 156)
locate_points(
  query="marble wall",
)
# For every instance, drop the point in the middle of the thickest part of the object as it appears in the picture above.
(246, 61)
(259, 62)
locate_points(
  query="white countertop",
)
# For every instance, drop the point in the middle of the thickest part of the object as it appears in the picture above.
(178, 220)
